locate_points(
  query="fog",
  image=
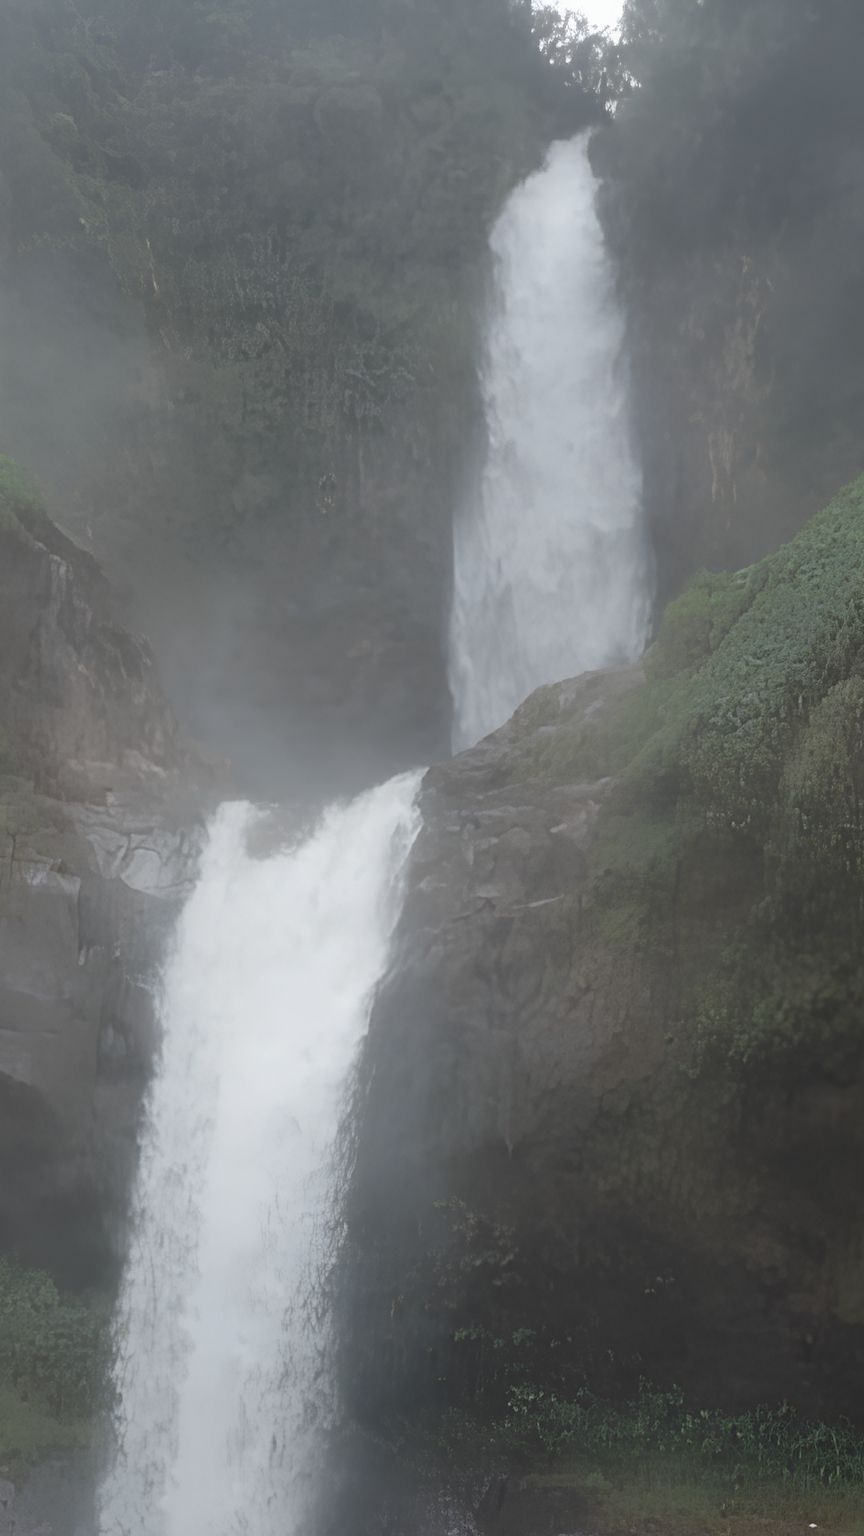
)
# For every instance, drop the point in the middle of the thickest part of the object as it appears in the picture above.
(431, 537)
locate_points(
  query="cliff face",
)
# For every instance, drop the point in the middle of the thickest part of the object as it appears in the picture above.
(241, 267)
(99, 805)
(733, 196)
(621, 1040)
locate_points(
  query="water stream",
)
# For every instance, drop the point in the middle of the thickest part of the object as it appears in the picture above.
(550, 563)
(222, 1377)
(223, 1380)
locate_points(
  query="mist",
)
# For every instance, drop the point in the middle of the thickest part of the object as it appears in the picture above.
(431, 549)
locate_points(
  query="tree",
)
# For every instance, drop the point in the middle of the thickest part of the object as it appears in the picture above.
(584, 59)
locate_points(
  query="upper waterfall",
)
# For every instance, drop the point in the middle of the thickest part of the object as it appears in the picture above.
(550, 563)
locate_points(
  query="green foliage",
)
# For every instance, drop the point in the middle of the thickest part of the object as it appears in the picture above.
(30, 1434)
(733, 841)
(580, 55)
(299, 198)
(802, 633)
(21, 500)
(54, 1351)
(819, 842)
(745, 685)
(736, 233)
(695, 623)
(770, 1445)
(587, 747)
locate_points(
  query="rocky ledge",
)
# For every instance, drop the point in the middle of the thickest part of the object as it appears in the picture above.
(620, 1050)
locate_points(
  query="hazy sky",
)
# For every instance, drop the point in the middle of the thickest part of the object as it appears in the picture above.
(601, 13)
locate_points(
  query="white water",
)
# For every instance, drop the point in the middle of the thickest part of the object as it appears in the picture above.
(223, 1380)
(550, 568)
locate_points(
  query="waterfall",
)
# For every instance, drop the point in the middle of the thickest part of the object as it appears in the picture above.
(550, 570)
(223, 1380)
(221, 1377)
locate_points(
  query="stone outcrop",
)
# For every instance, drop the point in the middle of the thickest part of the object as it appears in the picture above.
(620, 1051)
(100, 807)
(731, 199)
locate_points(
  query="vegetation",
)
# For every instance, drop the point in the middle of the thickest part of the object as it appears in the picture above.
(244, 252)
(581, 56)
(296, 199)
(734, 211)
(771, 1446)
(737, 814)
(21, 500)
(54, 1354)
(655, 1457)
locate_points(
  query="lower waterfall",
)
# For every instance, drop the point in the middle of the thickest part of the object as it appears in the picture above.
(221, 1378)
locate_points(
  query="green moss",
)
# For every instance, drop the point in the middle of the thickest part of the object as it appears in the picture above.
(732, 724)
(22, 505)
(657, 1457)
(740, 664)
(54, 1353)
(53, 1348)
(640, 849)
(30, 1434)
(590, 749)
(818, 844)
(697, 621)
(733, 840)
(590, 737)
(770, 1014)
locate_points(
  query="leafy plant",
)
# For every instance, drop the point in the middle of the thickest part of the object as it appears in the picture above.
(53, 1350)
(20, 496)
(773, 1445)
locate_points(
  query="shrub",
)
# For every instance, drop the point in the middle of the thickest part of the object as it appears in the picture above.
(21, 500)
(773, 1445)
(53, 1350)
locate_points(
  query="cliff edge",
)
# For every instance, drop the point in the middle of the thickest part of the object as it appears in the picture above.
(621, 1041)
(100, 806)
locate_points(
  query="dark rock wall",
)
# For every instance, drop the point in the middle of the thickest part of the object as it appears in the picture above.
(733, 197)
(613, 1093)
(100, 815)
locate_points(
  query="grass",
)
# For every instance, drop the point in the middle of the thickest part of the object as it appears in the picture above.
(30, 1433)
(775, 1444)
(54, 1353)
(21, 500)
(736, 820)
(685, 1501)
(654, 1459)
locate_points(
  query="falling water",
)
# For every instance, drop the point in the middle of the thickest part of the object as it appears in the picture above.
(221, 1379)
(550, 569)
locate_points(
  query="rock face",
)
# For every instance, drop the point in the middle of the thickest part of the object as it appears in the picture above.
(279, 344)
(620, 1051)
(733, 196)
(99, 824)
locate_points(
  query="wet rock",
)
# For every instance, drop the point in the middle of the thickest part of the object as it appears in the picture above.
(547, 1146)
(101, 819)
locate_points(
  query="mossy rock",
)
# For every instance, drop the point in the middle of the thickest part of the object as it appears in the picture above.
(54, 1353)
(733, 835)
(695, 623)
(22, 505)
